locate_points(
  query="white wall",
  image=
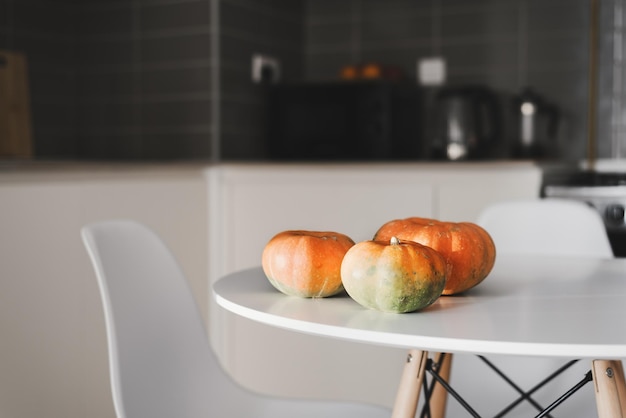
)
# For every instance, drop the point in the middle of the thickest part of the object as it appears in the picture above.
(53, 360)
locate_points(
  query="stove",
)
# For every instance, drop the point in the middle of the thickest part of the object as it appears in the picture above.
(603, 191)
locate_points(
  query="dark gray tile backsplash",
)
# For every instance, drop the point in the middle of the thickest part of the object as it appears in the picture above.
(106, 19)
(153, 65)
(504, 44)
(134, 79)
(172, 81)
(174, 15)
(250, 27)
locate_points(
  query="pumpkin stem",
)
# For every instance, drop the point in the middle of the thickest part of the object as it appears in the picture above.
(394, 241)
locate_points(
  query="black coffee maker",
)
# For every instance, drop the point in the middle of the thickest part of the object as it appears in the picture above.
(466, 123)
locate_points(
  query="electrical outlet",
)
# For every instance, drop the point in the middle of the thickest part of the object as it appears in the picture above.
(431, 71)
(265, 69)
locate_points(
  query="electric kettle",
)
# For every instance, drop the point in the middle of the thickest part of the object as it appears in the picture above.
(535, 125)
(466, 123)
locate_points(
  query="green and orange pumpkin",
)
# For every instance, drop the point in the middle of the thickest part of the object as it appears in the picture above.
(393, 275)
(467, 247)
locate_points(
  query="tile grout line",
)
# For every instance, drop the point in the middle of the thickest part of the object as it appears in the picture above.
(215, 112)
(137, 145)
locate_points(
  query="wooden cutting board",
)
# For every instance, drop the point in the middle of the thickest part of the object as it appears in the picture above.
(15, 114)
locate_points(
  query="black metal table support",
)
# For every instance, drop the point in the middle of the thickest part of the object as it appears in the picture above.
(526, 395)
(588, 378)
(432, 368)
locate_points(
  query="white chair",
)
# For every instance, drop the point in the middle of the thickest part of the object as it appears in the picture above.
(533, 227)
(161, 363)
(546, 226)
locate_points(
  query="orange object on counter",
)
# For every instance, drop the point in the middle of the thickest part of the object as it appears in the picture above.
(349, 72)
(371, 70)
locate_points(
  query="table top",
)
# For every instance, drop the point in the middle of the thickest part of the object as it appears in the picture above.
(543, 306)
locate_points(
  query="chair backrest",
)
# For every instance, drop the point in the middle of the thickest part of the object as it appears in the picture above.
(160, 362)
(546, 226)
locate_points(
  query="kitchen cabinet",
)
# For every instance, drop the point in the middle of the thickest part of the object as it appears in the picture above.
(53, 354)
(249, 203)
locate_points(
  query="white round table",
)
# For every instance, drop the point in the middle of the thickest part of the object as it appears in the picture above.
(541, 306)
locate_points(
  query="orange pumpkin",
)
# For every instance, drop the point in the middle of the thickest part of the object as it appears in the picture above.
(306, 263)
(393, 276)
(468, 248)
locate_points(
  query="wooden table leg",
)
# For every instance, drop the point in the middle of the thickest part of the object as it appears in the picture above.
(439, 397)
(608, 379)
(410, 385)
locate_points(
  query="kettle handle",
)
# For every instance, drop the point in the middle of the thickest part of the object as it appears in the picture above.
(553, 120)
(487, 115)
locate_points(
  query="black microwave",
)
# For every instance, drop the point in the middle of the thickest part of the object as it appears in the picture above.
(349, 121)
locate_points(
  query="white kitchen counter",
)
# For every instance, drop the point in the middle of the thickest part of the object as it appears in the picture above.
(27, 170)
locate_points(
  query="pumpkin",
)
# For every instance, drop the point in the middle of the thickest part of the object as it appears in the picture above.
(306, 263)
(393, 276)
(467, 247)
